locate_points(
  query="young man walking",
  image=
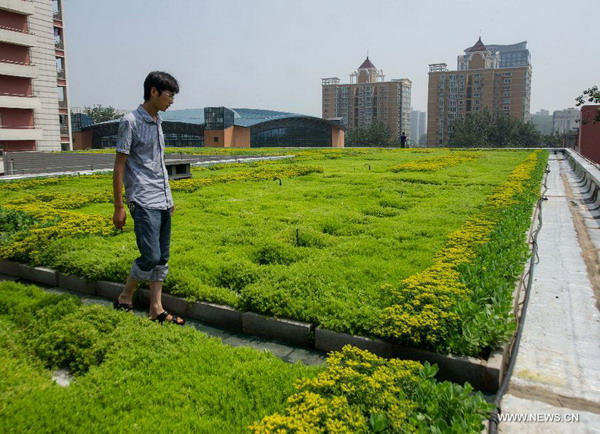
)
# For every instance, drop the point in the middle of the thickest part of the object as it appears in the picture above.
(140, 166)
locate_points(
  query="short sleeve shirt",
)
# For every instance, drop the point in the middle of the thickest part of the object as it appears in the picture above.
(146, 179)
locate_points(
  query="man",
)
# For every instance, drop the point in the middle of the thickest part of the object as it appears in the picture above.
(403, 140)
(140, 166)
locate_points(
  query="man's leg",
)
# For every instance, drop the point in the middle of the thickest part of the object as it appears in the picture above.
(126, 297)
(147, 234)
(160, 271)
(147, 227)
(156, 307)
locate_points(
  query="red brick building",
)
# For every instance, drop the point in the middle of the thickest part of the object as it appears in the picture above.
(589, 133)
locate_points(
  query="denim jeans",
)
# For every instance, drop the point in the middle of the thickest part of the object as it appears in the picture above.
(153, 236)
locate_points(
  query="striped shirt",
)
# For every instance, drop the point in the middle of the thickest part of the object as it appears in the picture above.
(146, 179)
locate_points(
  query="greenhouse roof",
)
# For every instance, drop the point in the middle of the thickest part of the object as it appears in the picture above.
(243, 117)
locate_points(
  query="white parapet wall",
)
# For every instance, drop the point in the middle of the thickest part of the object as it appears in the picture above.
(588, 173)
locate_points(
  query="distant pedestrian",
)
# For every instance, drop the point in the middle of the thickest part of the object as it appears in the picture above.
(140, 166)
(403, 140)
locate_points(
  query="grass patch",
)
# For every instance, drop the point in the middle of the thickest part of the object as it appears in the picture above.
(134, 375)
(325, 246)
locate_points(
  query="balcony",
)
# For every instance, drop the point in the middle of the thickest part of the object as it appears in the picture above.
(22, 7)
(17, 69)
(17, 37)
(57, 15)
(62, 103)
(24, 133)
(19, 101)
(59, 45)
(64, 130)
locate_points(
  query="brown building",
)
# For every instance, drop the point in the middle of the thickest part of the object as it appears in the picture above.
(368, 98)
(478, 83)
(34, 112)
(589, 133)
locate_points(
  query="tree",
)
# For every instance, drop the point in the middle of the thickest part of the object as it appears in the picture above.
(485, 129)
(375, 134)
(554, 140)
(590, 95)
(100, 113)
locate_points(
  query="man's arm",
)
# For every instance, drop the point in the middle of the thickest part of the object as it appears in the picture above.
(120, 215)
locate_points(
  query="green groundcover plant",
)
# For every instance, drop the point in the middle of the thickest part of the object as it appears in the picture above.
(132, 375)
(330, 237)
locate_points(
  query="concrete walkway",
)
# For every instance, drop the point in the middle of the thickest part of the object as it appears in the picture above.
(555, 387)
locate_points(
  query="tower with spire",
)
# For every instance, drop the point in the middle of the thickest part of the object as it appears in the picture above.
(478, 57)
(479, 83)
(368, 98)
(367, 73)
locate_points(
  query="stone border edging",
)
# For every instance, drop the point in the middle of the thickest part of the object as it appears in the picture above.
(482, 374)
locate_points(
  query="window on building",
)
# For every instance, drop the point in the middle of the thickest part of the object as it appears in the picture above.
(508, 80)
(215, 139)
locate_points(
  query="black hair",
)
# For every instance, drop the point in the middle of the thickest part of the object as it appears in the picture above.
(161, 81)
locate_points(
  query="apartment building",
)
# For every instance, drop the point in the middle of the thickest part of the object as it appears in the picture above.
(368, 98)
(478, 83)
(418, 127)
(565, 121)
(34, 108)
(542, 121)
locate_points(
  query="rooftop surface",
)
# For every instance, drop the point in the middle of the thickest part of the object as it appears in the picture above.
(557, 371)
(556, 380)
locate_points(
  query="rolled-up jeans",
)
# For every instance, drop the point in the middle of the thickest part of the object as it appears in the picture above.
(153, 236)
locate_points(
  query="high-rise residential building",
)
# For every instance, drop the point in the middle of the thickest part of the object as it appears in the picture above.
(418, 126)
(542, 121)
(567, 120)
(511, 55)
(34, 109)
(478, 84)
(368, 98)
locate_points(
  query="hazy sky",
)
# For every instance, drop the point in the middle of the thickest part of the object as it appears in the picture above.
(272, 54)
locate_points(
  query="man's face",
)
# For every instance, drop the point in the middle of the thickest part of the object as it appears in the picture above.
(162, 99)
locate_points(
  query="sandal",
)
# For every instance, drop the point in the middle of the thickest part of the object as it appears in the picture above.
(161, 318)
(125, 307)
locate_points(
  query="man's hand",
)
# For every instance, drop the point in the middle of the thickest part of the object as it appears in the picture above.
(119, 217)
(173, 209)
